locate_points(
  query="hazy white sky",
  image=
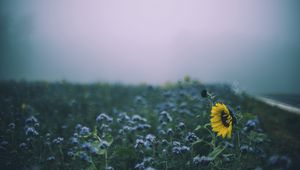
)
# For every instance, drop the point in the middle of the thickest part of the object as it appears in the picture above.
(254, 42)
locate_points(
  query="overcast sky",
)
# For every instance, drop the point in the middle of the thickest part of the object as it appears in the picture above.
(253, 42)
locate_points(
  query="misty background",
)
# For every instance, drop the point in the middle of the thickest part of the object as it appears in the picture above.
(254, 44)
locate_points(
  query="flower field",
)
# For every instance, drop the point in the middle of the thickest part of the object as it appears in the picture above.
(185, 125)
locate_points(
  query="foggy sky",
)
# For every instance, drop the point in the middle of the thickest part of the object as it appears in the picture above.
(254, 42)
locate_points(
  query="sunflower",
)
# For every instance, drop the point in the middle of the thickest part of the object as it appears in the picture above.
(222, 120)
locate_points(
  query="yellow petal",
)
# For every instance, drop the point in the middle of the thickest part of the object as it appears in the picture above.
(224, 132)
(215, 119)
(218, 104)
(219, 133)
(217, 128)
(215, 113)
(217, 124)
(229, 131)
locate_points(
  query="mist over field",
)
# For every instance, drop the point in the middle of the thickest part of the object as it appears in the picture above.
(252, 44)
(149, 84)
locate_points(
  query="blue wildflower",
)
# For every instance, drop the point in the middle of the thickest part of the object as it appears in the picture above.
(123, 117)
(4, 143)
(74, 141)
(104, 118)
(75, 135)
(191, 137)
(86, 145)
(84, 156)
(94, 150)
(71, 154)
(139, 143)
(140, 100)
(280, 161)
(184, 149)
(48, 135)
(181, 125)
(12, 126)
(58, 140)
(143, 126)
(85, 131)
(246, 149)
(161, 132)
(51, 158)
(140, 166)
(202, 161)
(126, 128)
(164, 142)
(78, 126)
(138, 118)
(36, 125)
(163, 124)
(31, 120)
(165, 117)
(30, 131)
(104, 144)
(164, 152)
(176, 143)
(150, 138)
(250, 125)
(110, 168)
(150, 168)
(23, 146)
(121, 132)
(105, 128)
(170, 132)
(176, 150)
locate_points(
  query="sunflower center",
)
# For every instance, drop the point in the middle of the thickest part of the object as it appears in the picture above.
(225, 119)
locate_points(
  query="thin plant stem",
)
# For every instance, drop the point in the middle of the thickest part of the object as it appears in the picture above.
(94, 166)
(106, 160)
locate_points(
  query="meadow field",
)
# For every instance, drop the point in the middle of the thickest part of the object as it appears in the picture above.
(62, 125)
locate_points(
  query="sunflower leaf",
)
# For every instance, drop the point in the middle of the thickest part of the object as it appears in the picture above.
(198, 127)
(206, 125)
(198, 141)
(217, 151)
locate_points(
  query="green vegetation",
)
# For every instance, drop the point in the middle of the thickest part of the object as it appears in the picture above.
(113, 126)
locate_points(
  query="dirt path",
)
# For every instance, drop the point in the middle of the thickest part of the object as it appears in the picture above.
(280, 105)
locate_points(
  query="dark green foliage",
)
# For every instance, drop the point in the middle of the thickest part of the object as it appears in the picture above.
(128, 127)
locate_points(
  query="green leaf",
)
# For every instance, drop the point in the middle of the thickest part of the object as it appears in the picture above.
(101, 151)
(202, 127)
(198, 127)
(257, 137)
(94, 133)
(109, 139)
(91, 167)
(96, 144)
(217, 151)
(198, 141)
(207, 124)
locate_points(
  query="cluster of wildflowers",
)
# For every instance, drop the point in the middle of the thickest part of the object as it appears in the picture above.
(31, 125)
(202, 161)
(58, 141)
(145, 164)
(283, 162)
(180, 127)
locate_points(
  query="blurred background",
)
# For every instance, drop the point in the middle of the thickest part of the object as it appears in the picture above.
(254, 45)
